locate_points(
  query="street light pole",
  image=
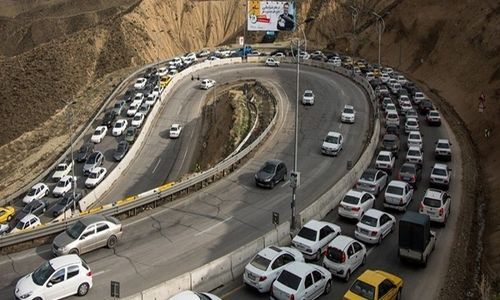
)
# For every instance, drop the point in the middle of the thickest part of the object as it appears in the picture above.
(70, 127)
(381, 28)
(354, 14)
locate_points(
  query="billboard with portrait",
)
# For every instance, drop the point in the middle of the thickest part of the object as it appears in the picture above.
(271, 15)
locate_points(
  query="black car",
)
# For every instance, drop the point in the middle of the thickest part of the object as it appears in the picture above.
(425, 106)
(271, 173)
(390, 142)
(129, 95)
(84, 152)
(109, 118)
(392, 129)
(149, 72)
(36, 207)
(411, 173)
(121, 150)
(67, 202)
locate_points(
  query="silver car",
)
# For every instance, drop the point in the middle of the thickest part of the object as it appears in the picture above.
(87, 234)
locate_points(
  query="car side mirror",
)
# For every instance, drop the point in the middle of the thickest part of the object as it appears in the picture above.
(449, 169)
(82, 238)
(49, 284)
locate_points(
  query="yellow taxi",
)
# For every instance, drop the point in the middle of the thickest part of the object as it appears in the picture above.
(375, 285)
(164, 81)
(7, 213)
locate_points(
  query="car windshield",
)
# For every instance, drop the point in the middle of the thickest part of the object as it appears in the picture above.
(439, 172)
(20, 225)
(306, 94)
(66, 200)
(363, 289)
(32, 192)
(332, 139)
(413, 153)
(122, 147)
(348, 111)
(83, 149)
(383, 158)
(432, 202)
(28, 208)
(411, 123)
(137, 118)
(289, 279)
(350, 199)
(368, 176)
(308, 234)
(76, 230)
(94, 175)
(434, 114)
(395, 190)
(443, 145)
(98, 131)
(389, 143)
(43, 273)
(368, 220)
(260, 262)
(202, 296)
(407, 169)
(269, 168)
(414, 137)
(61, 168)
(130, 133)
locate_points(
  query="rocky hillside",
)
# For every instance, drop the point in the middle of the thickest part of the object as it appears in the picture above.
(63, 49)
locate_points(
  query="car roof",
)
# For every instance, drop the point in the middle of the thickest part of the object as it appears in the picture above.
(414, 132)
(414, 148)
(371, 277)
(398, 183)
(300, 269)
(92, 219)
(29, 217)
(341, 242)
(411, 119)
(440, 166)
(176, 125)
(354, 193)
(38, 185)
(270, 252)
(390, 136)
(333, 133)
(443, 141)
(372, 212)
(315, 224)
(348, 106)
(433, 193)
(384, 152)
(65, 260)
(308, 91)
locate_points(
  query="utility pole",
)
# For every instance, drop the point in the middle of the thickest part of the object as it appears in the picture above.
(381, 28)
(70, 128)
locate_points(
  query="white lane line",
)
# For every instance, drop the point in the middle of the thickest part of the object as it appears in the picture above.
(179, 110)
(100, 273)
(369, 251)
(285, 183)
(213, 226)
(157, 164)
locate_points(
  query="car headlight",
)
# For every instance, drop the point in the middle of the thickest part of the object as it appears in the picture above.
(267, 179)
(26, 295)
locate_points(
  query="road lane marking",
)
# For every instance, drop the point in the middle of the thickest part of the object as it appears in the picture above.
(99, 273)
(157, 164)
(213, 226)
(285, 183)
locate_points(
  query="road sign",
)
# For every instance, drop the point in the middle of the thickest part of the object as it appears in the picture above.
(115, 289)
(276, 218)
(294, 179)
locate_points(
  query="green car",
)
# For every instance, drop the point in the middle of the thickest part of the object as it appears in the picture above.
(130, 134)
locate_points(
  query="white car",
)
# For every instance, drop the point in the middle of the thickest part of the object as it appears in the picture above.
(63, 186)
(369, 76)
(279, 54)
(313, 238)
(374, 226)
(308, 97)
(440, 176)
(213, 58)
(271, 62)
(403, 98)
(151, 99)
(38, 191)
(433, 118)
(57, 278)
(62, 170)
(392, 118)
(372, 181)
(266, 265)
(119, 127)
(343, 256)
(385, 161)
(175, 131)
(436, 204)
(99, 134)
(384, 77)
(29, 221)
(415, 155)
(304, 55)
(137, 120)
(95, 177)
(207, 83)
(332, 144)
(443, 150)
(405, 107)
(302, 281)
(398, 195)
(138, 98)
(176, 61)
(390, 107)
(189, 57)
(418, 97)
(192, 295)
(162, 71)
(336, 61)
(355, 204)
(387, 70)
(203, 53)
(348, 114)
(411, 124)
(395, 88)
(140, 83)
(401, 79)
(132, 109)
(415, 139)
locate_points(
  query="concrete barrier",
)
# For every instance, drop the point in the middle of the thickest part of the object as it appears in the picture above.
(212, 274)
(240, 257)
(163, 290)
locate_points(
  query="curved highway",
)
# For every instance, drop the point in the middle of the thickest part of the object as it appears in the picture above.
(220, 218)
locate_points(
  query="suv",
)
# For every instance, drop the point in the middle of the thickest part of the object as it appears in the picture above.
(390, 142)
(443, 150)
(308, 97)
(440, 176)
(385, 161)
(436, 204)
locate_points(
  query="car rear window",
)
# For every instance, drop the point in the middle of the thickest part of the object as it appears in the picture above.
(413, 153)
(363, 289)
(369, 176)
(348, 111)
(350, 199)
(407, 169)
(383, 158)
(443, 145)
(260, 262)
(368, 220)
(432, 202)
(334, 254)
(331, 139)
(395, 190)
(289, 279)
(307, 233)
(439, 172)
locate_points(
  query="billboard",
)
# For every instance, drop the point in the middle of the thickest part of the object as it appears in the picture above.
(271, 15)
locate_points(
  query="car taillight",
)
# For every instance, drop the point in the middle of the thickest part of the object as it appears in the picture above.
(89, 273)
(343, 257)
(374, 233)
(292, 297)
(262, 278)
(401, 200)
(355, 208)
(399, 176)
(421, 207)
(414, 178)
(441, 211)
(372, 185)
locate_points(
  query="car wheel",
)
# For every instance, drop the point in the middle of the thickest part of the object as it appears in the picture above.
(328, 287)
(74, 251)
(272, 184)
(9, 218)
(37, 298)
(111, 242)
(398, 297)
(379, 239)
(83, 289)
(347, 276)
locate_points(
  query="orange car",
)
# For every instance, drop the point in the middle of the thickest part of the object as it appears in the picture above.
(375, 285)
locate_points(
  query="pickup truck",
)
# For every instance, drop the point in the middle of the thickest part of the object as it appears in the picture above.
(416, 239)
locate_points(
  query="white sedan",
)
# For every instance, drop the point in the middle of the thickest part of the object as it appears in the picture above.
(385, 161)
(120, 127)
(38, 191)
(137, 120)
(271, 62)
(140, 83)
(302, 281)
(207, 83)
(99, 134)
(374, 226)
(372, 181)
(175, 131)
(151, 99)
(308, 97)
(398, 195)
(348, 114)
(266, 265)
(95, 177)
(62, 169)
(355, 204)
(415, 155)
(132, 109)
(332, 144)
(314, 237)
(63, 186)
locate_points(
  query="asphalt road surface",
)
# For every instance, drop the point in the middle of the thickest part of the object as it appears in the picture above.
(222, 217)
